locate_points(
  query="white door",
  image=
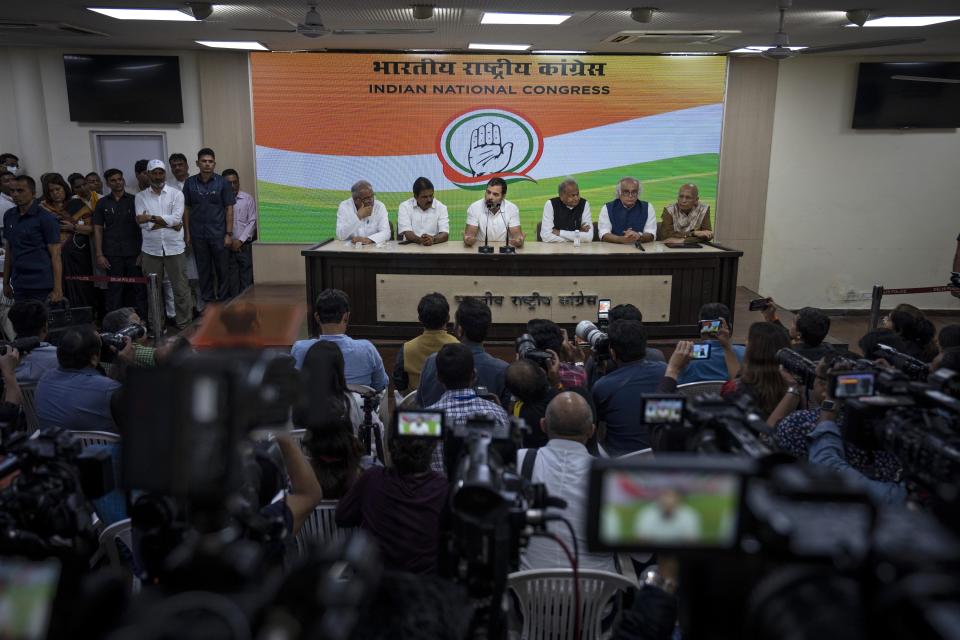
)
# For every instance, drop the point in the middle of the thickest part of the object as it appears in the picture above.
(121, 150)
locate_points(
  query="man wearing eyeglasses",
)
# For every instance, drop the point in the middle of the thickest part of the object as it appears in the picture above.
(628, 218)
(362, 218)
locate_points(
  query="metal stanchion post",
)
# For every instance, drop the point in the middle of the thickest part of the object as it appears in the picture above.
(155, 306)
(875, 300)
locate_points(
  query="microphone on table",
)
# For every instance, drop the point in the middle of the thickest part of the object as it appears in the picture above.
(639, 244)
(486, 248)
(506, 248)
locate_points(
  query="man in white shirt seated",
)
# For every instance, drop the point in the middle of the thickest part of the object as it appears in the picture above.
(423, 219)
(563, 465)
(362, 218)
(493, 217)
(628, 218)
(566, 217)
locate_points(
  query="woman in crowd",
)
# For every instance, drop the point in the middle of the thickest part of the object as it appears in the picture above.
(327, 396)
(759, 375)
(82, 192)
(916, 331)
(335, 455)
(790, 433)
(75, 231)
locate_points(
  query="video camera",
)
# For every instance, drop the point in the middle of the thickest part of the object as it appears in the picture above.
(706, 424)
(787, 539)
(44, 511)
(494, 513)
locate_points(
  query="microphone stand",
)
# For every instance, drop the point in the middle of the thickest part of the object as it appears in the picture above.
(486, 249)
(506, 248)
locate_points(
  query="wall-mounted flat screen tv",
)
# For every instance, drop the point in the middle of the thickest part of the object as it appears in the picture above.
(119, 88)
(901, 95)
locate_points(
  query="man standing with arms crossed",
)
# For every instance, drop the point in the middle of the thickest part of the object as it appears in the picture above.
(160, 216)
(208, 211)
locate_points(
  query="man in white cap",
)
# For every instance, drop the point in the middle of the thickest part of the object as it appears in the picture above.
(160, 216)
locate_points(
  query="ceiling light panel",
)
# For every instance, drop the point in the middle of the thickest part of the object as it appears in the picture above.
(907, 21)
(233, 44)
(164, 15)
(524, 18)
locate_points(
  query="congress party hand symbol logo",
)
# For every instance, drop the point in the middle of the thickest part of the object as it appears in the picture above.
(480, 144)
(487, 154)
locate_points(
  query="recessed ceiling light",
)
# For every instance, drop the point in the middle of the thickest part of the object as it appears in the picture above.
(689, 53)
(171, 15)
(907, 21)
(570, 51)
(233, 44)
(761, 49)
(524, 18)
(499, 47)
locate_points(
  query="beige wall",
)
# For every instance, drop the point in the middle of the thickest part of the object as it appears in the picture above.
(847, 209)
(227, 113)
(745, 161)
(37, 125)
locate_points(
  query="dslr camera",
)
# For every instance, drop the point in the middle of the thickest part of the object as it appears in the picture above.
(527, 349)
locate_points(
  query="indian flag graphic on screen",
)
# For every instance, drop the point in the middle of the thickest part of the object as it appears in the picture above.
(324, 121)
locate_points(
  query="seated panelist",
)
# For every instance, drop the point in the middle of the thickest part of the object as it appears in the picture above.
(423, 219)
(362, 218)
(566, 215)
(687, 219)
(493, 214)
(627, 219)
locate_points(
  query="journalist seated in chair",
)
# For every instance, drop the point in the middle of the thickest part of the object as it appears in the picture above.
(597, 369)
(362, 362)
(810, 328)
(433, 312)
(563, 465)
(29, 320)
(473, 320)
(617, 395)
(400, 506)
(76, 395)
(127, 319)
(713, 367)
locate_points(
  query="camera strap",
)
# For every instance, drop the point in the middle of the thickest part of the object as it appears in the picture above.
(526, 470)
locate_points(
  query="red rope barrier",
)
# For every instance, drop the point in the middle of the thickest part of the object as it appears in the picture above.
(121, 279)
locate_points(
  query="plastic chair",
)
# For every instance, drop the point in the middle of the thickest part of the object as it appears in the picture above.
(642, 454)
(88, 438)
(694, 389)
(407, 401)
(27, 392)
(116, 541)
(320, 528)
(546, 601)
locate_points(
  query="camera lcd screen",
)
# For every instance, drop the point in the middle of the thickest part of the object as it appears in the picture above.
(709, 326)
(603, 308)
(421, 424)
(663, 410)
(654, 508)
(853, 384)
(701, 351)
(27, 591)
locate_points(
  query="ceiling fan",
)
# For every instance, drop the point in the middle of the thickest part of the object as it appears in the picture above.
(312, 27)
(781, 41)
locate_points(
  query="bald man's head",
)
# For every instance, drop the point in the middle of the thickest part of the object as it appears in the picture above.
(569, 416)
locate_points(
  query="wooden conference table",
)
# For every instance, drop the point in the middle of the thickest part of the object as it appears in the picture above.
(542, 280)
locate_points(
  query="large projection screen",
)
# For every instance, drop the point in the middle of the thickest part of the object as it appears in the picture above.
(326, 120)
